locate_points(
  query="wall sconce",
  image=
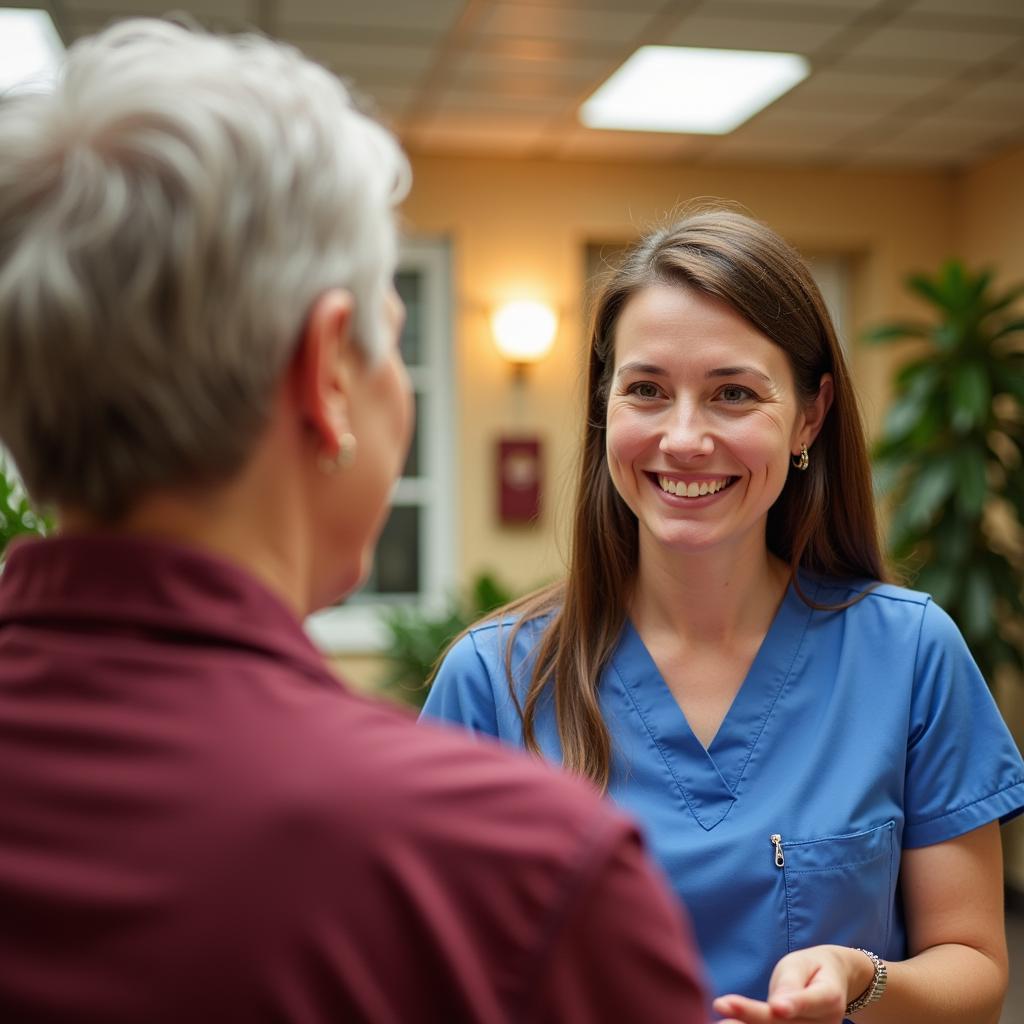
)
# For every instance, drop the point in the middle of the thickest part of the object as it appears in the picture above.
(524, 332)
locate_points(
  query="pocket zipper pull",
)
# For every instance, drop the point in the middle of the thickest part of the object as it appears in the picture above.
(780, 859)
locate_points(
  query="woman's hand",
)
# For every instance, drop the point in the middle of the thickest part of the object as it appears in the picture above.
(810, 986)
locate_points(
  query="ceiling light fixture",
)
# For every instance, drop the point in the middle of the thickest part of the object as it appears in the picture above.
(685, 89)
(30, 50)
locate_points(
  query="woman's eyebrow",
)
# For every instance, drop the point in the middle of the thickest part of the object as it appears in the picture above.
(738, 371)
(651, 369)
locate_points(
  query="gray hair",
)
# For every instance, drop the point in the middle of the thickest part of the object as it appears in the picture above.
(168, 216)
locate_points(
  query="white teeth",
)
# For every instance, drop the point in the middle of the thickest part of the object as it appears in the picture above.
(691, 490)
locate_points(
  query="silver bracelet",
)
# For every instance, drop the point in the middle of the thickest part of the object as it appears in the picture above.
(874, 991)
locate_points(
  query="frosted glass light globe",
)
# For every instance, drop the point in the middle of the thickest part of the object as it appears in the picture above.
(524, 331)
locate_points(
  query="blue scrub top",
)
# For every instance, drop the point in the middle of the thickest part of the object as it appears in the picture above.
(857, 733)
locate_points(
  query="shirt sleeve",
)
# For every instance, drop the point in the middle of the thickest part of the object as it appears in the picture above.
(462, 692)
(963, 767)
(625, 953)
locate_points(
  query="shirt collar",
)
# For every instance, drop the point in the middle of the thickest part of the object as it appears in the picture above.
(161, 587)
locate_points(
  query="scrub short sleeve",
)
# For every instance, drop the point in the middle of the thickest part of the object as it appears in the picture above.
(461, 692)
(963, 767)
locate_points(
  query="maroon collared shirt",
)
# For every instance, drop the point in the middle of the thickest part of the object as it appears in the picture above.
(199, 823)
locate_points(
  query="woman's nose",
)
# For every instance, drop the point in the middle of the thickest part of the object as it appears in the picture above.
(686, 434)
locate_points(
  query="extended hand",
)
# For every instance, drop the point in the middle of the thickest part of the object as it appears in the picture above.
(807, 987)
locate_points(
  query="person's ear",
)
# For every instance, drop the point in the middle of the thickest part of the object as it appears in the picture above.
(323, 369)
(816, 411)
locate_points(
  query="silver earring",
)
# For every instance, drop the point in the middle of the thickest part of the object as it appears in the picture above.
(344, 456)
(803, 460)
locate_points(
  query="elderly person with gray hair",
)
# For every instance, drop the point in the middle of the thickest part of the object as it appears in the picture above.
(199, 372)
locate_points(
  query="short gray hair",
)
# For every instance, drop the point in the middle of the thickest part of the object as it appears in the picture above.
(168, 216)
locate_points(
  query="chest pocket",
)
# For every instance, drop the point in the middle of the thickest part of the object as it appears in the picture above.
(841, 889)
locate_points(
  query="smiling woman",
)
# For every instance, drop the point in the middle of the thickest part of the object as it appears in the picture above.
(712, 657)
(703, 415)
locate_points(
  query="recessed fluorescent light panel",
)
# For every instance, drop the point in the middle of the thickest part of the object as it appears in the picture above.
(30, 50)
(685, 89)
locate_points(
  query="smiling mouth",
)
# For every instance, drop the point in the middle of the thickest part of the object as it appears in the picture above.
(681, 489)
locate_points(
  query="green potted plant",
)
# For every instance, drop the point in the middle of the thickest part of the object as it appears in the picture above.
(951, 456)
(16, 514)
(417, 639)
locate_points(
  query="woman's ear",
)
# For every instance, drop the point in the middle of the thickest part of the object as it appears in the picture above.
(322, 368)
(816, 410)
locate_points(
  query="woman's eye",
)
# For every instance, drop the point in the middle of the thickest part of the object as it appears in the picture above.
(645, 389)
(734, 393)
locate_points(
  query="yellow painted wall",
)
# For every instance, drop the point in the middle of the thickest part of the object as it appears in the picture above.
(521, 226)
(991, 214)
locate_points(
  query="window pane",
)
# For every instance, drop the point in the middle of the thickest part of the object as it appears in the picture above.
(396, 567)
(408, 284)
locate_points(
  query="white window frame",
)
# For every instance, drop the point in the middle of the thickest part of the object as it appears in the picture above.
(831, 272)
(356, 628)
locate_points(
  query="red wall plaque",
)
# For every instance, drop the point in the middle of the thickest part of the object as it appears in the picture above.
(519, 477)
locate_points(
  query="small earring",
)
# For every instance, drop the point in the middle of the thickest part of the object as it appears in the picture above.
(344, 456)
(347, 450)
(803, 460)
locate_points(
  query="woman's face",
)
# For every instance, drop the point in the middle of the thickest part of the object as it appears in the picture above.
(380, 418)
(703, 417)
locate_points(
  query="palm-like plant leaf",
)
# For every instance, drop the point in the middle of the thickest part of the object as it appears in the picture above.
(951, 446)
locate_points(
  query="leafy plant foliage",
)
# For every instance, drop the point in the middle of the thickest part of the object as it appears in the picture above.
(950, 456)
(419, 639)
(16, 514)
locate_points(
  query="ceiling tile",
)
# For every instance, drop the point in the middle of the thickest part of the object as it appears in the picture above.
(473, 64)
(370, 63)
(827, 126)
(204, 11)
(510, 78)
(732, 149)
(226, 16)
(591, 144)
(1007, 91)
(793, 10)
(834, 82)
(497, 84)
(519, 19)
(434, 18)
(838, 92)
(751, 34)
(944, 132)
(904, 152)
(1012, 9)
(875, 106)
(886, 68)
(904, 43)
(605, 5)
(520, 48)
(989, 106)
(459, 100)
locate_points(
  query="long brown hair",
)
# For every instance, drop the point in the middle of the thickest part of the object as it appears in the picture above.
(824, 520)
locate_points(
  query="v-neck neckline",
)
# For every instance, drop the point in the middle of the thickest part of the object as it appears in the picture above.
(709, 778)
